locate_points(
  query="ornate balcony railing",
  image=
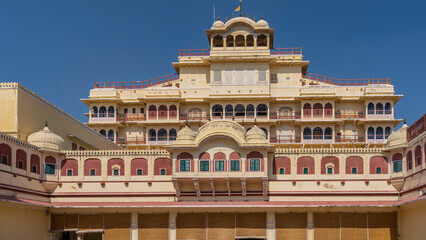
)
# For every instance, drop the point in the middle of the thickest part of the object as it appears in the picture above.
(286, 51)
(194, 52)
(138, 84)
(345, 82)
(285, 139)
(349, 139)
(417, 128)
(285, 115)
(131, 117)
(130, 141)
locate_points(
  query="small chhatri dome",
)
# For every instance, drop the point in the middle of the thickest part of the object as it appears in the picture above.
(255, 134)
(262, 24)
(186, 134)
(218, 24)
(46, 140)
(397, 137)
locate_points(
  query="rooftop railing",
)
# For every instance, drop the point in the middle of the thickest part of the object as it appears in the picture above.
(138, 84)
(194, 52)
(286, 51)
(345, 82)
(417, 128)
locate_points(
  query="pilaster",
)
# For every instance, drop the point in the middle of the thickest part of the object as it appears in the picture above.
(172, 225)
(270, 225)
(134, 225)
(310, 225)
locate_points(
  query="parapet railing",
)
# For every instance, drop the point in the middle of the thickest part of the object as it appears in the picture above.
(417, 128)
(138, 84)
(286, 51)
(206, 52)
(345, 82)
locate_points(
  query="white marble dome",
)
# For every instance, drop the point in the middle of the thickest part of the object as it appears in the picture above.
(262, 24)
(218, 24)
(46, 140)
(397, 137)
(255, 134)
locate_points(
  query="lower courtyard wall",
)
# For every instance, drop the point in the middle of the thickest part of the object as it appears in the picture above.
(412, 221)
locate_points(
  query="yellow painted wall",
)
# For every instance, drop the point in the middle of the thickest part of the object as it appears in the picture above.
(19, 222)
(412, 222)
(8, 111)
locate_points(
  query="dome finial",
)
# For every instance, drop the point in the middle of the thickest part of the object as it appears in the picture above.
(261, 16)
(248, 15)
(405, 120)
(255, 121)
(226, 19)
(254, 18)
(232, 15)
(45, 124)
(218, 18)
(187, 123)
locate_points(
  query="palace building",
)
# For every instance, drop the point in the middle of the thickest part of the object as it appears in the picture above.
(242, 142)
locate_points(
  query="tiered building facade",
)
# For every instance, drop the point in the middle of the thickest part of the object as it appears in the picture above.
(241, 143)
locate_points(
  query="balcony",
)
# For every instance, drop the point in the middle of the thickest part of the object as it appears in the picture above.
(417, 128)
(354, 138)
(130, 141)
(285, 139)
(370, 139)
(247, 115)
(345, 82)
(131, 117)
(285, 115)
(161, 141)
(379, 114)
(286, 51)
(308, 139)
(349, 115)
(194, 52)
(138, 84)
(162, 115)
(194, 117)
(102, 117)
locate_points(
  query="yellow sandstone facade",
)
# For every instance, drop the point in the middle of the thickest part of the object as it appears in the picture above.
(241, 143)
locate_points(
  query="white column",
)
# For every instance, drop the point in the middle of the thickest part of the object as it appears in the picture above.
(270, 225)
(172, 225)
(310, 225)
(134, 226)
(80, 236)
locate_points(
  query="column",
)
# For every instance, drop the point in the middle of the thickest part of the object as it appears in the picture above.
(134, 227)
(172, 225)
(54, 236)
(270, 225)
(80, 236)
(310, 225)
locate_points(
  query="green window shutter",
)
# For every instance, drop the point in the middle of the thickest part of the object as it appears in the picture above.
(20, 165)
(34, 169)
(163, 172)
(4, 160)
(92, 172)
(50, 169)
(69, 173)
(378, 170)
(354, 170)
(139, 172)
(254, 164)
(204, 166)
(305, 171)
(235, 165)
(116, 173)
(329, 170)
(219, 165)
(397, 166)
(281, 170)
(185, 165)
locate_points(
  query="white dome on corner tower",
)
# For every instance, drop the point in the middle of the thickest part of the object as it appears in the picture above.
(46, 140)
(218, 24)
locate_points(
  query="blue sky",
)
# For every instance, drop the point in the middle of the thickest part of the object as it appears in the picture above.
(60, 48)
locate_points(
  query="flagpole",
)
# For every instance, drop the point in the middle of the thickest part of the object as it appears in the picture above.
(241, 7)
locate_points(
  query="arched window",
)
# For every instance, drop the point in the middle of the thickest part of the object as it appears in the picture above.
(152, 135)
(74, 146)
(328, 110)
(172, 134)
(239, 41)
(152, 112)
(370, 133)
(379, 133)
(387, 132)
(285, 112)
(239, 110)
(250, 110)
(266, 132)
(111, 135)
(230, 41)
(317, 110)
(218, 41)
(262, 41)
(162, 135)
(250, 41)
(388, 108)
(318, 134)
(328, 133)
(397, 162)
(307, 134)
(261, 110)
(370, 109)
(307, 110)
(111, 111)
(217, 110)
(172, 111)
(103, 132)
(379, 108)
(95, 112)
(162, 112)
(102, 111)
(229, 110)
(195, 114)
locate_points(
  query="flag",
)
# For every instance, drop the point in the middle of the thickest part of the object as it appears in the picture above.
(238, 9)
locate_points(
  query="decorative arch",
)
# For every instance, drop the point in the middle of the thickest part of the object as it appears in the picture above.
(378, 162)
(162, 135)
(172, 134)
(370, 108)
(220, 156)
(21, 159)
(281, 162)
(240, 111)
(111, 111)
(217, 110)
(240, 41)
(74, 146)
(285, 112)
(328, 109)
(102, 111)
(388, 132)
(317, 110)
(409, 158)
(370, 133)
(111, 135)
(162, 164)
(379, 133)
(152, 135)
(69, 164)
(35, 164)
(262, 40)
(184, 156)
(250, 110)
(330, 159)
(102, 132)
(318, 133)
(204, 156)
(261, 110)
(172, 111)
(113, 162)
(388, 108)
(162, 112)
(5, 154)
(229, 41)
(250, 41)
(255, 154)
(379, 108)
(306, 162)
(418, 155)
(307, 133)
(229, 110)
(234, 156)
(307, 110)
(328, 133)
(217, 41)
(354, 162)
(139, 164)
(152, 112)
(397, 157)
(92, 164)
(95, 111)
